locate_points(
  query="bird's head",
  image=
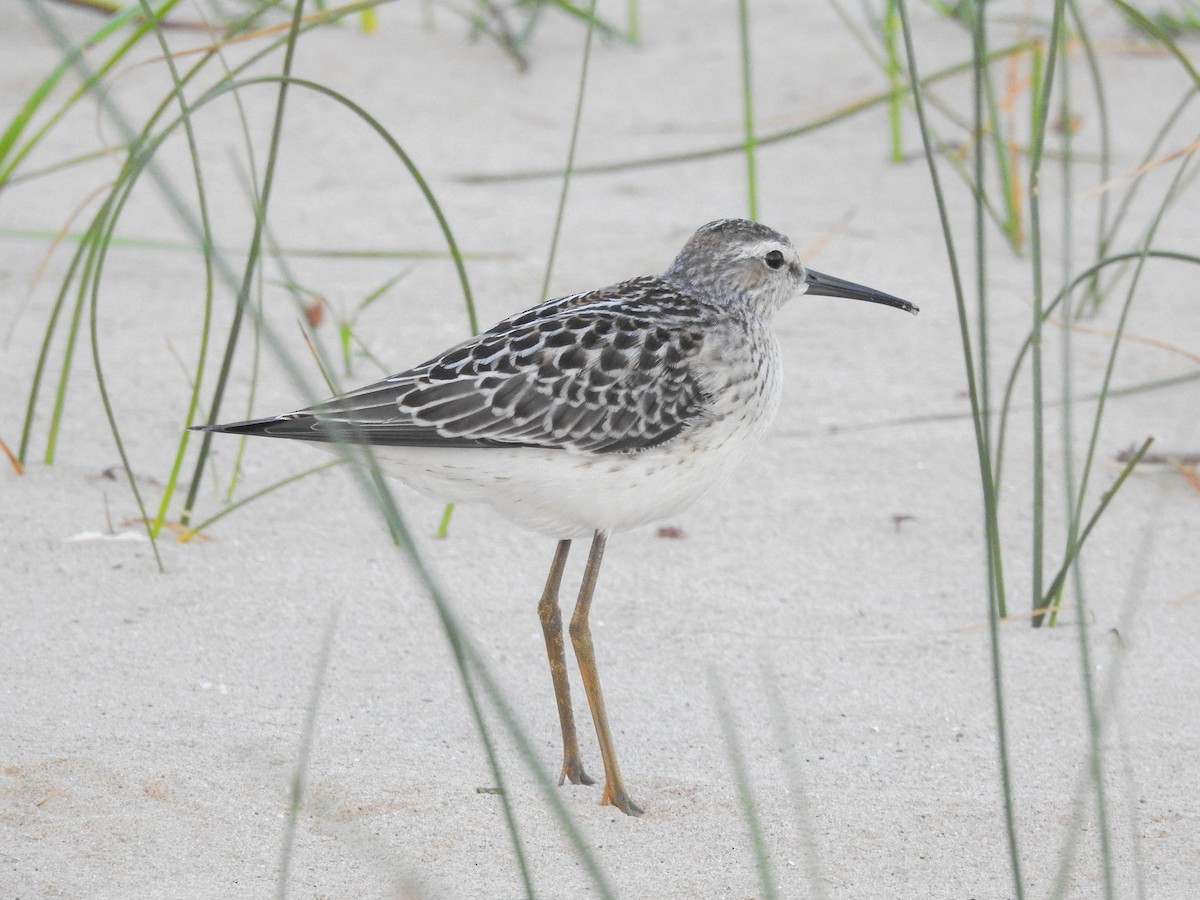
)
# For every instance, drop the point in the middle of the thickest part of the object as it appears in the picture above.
(736, 261)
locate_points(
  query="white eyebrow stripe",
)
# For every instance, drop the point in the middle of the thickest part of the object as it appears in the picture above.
(762, 248)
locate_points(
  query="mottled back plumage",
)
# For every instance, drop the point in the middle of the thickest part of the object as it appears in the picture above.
(605, 371)
(594, 372)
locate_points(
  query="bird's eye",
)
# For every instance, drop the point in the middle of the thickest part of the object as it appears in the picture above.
(774, 259)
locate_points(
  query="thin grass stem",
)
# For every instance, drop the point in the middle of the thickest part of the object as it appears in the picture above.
(1050, 600)
(106, 398)
(979, 86)
(252, 260)
(748, 140)
(1110, 364)
(741, 778)
(64, 376)
(1160, 34)
(43, 359)
(1044, 84)
(72, 58)
(1066, 335)
(1118, 259)
(1105, 131)
(207, 252)
(1152, 152)
(560, 212)
(895, 77)
(985, 466)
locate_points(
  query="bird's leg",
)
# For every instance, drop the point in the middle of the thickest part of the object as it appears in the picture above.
(581, 640)
(551, 618)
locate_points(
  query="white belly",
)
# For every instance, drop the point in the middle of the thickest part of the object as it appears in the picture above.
(570, 495)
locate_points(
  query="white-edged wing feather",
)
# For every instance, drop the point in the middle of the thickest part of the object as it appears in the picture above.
(603, 371)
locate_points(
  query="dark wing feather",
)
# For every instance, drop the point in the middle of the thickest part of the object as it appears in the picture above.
(605, 371)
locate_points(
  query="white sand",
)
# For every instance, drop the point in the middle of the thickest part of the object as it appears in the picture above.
(151, 723)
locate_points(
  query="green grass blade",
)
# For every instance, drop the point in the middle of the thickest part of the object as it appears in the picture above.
(1088, 273)
(1104, 128)
(72, 59)
(1050, 600)
(43, 359)
(1153, 151)
(64, 377)
(748, 141)
(1110, 364)
(93, 289)
(197, 379)
(985, 467)
(1043, 85)
(570, 166)
(1010, 188)
(737, 762)
(588, 17)
(1160, 34)
(252, 260)
(895, 76)
(978, 84)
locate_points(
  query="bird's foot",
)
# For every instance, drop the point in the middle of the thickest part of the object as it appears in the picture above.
(618, 798)
(572, 771)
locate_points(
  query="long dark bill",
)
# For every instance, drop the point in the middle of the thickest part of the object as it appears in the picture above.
(828, 286)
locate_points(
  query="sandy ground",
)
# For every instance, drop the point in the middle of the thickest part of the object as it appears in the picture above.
(152, 721)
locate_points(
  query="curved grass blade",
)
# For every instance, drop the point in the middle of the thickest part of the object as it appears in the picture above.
(1088, 273)
(1160, 34)
(1110, 365)
(1152, 153)
(207, 252)
(72, 58)
(252, 258)
(142, 160)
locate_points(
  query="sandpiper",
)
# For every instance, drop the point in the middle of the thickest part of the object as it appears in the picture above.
(590, 414)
